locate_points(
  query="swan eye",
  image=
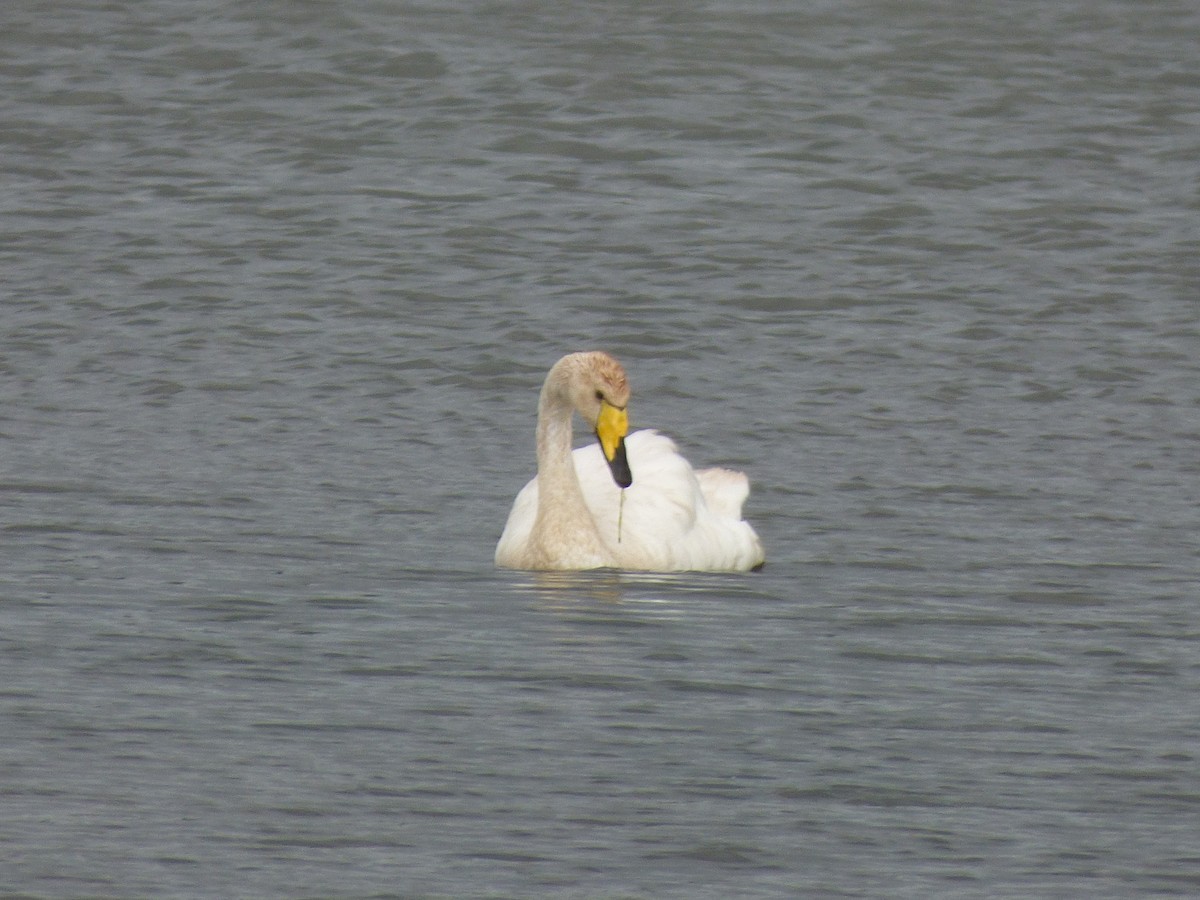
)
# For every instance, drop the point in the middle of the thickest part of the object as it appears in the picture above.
(599, 395)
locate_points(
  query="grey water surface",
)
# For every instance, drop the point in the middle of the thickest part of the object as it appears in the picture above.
(278, 285)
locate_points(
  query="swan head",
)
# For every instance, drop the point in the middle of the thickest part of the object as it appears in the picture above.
(598, 388)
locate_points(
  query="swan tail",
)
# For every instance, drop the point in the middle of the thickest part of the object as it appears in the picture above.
(725, 491)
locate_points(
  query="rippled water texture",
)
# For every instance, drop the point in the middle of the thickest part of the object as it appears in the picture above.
(280, 281)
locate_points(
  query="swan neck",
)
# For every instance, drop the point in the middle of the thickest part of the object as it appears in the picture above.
(556, 470)
(563, 517)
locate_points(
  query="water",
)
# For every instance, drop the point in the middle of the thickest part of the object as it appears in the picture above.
(280, 282)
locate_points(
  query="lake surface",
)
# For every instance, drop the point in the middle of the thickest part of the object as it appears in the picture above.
(280, 281)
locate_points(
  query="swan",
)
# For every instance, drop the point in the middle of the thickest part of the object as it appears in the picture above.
(628, 502)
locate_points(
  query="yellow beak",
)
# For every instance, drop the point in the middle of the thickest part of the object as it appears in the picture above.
(611, 427)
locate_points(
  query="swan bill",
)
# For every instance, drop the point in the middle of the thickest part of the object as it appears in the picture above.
(619, 466)
(611, 428)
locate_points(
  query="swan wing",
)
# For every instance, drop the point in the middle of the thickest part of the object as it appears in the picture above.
(510, 550)
(672, 518)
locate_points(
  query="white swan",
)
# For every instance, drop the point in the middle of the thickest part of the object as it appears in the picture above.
(630, 503)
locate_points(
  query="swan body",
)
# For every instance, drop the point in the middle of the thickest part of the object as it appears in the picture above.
(630, 502)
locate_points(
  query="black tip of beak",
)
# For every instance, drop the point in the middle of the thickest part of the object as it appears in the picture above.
(619, 466)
